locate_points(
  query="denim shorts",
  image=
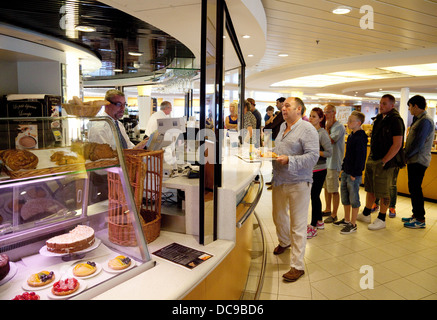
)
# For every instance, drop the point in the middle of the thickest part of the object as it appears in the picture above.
(350, 190)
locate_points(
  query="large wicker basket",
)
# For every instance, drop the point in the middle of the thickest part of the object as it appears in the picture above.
(81, 110)
(145, 176)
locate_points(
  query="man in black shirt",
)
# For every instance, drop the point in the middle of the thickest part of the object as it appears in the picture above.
(386, 154)
(277, 120)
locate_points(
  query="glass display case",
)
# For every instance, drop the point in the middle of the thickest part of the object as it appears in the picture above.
(70, 222)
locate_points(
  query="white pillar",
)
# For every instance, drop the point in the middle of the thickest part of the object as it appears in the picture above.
(144, 105)
(403, 105)
(144, 110)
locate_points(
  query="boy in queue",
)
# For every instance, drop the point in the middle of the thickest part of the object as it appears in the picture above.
(352, 171)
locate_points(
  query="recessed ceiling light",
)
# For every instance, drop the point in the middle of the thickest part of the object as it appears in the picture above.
(282, 55)
(250, 55)
(118, 70)
(342, 10)
(136, 54)
(246, 36)
(85, 28)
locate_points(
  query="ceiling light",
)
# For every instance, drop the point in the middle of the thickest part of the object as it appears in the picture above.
(85, 28)
(342, 10)
(136, 54)
(417, 70)
(316, 81)
(118, 70)
(282, 55)
(250, 55)
(246, 36)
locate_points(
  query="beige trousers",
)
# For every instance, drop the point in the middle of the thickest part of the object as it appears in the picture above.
(290, 203)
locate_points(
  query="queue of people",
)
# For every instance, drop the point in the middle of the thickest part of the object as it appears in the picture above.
(300, 167)
(311, 156)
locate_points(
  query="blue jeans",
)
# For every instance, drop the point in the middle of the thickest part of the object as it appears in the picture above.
(349, 190)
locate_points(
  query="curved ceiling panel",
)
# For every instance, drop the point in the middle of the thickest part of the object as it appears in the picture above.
(127, 46)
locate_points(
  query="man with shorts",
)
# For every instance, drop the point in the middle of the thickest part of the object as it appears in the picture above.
(336, 132)
(386, 154)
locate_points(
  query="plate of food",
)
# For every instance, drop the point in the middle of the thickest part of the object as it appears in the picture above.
(85, 269)
(66, 288)
(119, 264)
(79, 240)
(39, 280)
(269, 155)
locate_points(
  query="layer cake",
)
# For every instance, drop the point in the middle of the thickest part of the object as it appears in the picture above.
(79, 238)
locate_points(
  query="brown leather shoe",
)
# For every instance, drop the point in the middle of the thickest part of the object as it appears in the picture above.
(279, 249)
(293, 275)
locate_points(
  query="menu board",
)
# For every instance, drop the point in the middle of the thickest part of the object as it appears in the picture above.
(182, 255)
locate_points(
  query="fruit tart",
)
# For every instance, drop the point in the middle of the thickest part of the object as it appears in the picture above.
(119, 263)
(84, 269)
(65, 287)
(27, 296)
(41, 278)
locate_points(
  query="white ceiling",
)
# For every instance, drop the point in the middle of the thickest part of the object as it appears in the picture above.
(316, 40)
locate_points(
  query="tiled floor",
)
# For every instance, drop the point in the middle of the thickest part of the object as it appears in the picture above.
(403, 261)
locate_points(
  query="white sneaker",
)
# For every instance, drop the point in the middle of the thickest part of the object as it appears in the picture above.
(376, 225)
(363, 218)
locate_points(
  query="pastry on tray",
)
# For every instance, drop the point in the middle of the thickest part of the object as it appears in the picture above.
(119, 263)
(84, 269)
(63, 157)
(93, 151)
(65, 287)
(78, 239)
(41, 278)
(16, 159)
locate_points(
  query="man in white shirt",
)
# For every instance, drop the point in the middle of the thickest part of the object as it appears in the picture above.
(100, 131)
(164, 112)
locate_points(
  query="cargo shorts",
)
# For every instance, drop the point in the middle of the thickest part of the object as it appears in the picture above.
(377, 179)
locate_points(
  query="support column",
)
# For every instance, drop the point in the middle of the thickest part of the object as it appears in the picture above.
(403, 105)
(144, 105)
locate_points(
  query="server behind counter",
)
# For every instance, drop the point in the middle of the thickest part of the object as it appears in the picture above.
(100, 132)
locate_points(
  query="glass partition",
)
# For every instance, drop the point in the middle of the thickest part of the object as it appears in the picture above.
(69, 202)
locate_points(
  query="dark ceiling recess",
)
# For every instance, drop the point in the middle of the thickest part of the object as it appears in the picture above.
(116, 34)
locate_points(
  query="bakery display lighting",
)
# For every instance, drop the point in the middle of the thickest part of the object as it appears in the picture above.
(85, 28)
(135, 53)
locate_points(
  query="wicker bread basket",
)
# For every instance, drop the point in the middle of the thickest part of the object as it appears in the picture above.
(145, 176)
(81, 110)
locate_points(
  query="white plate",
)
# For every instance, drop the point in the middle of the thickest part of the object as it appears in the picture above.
(110, 270)
(12, 271)
(82, 286)
(44, 252)
(27, 287)
(267, 158)
(98, 269)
